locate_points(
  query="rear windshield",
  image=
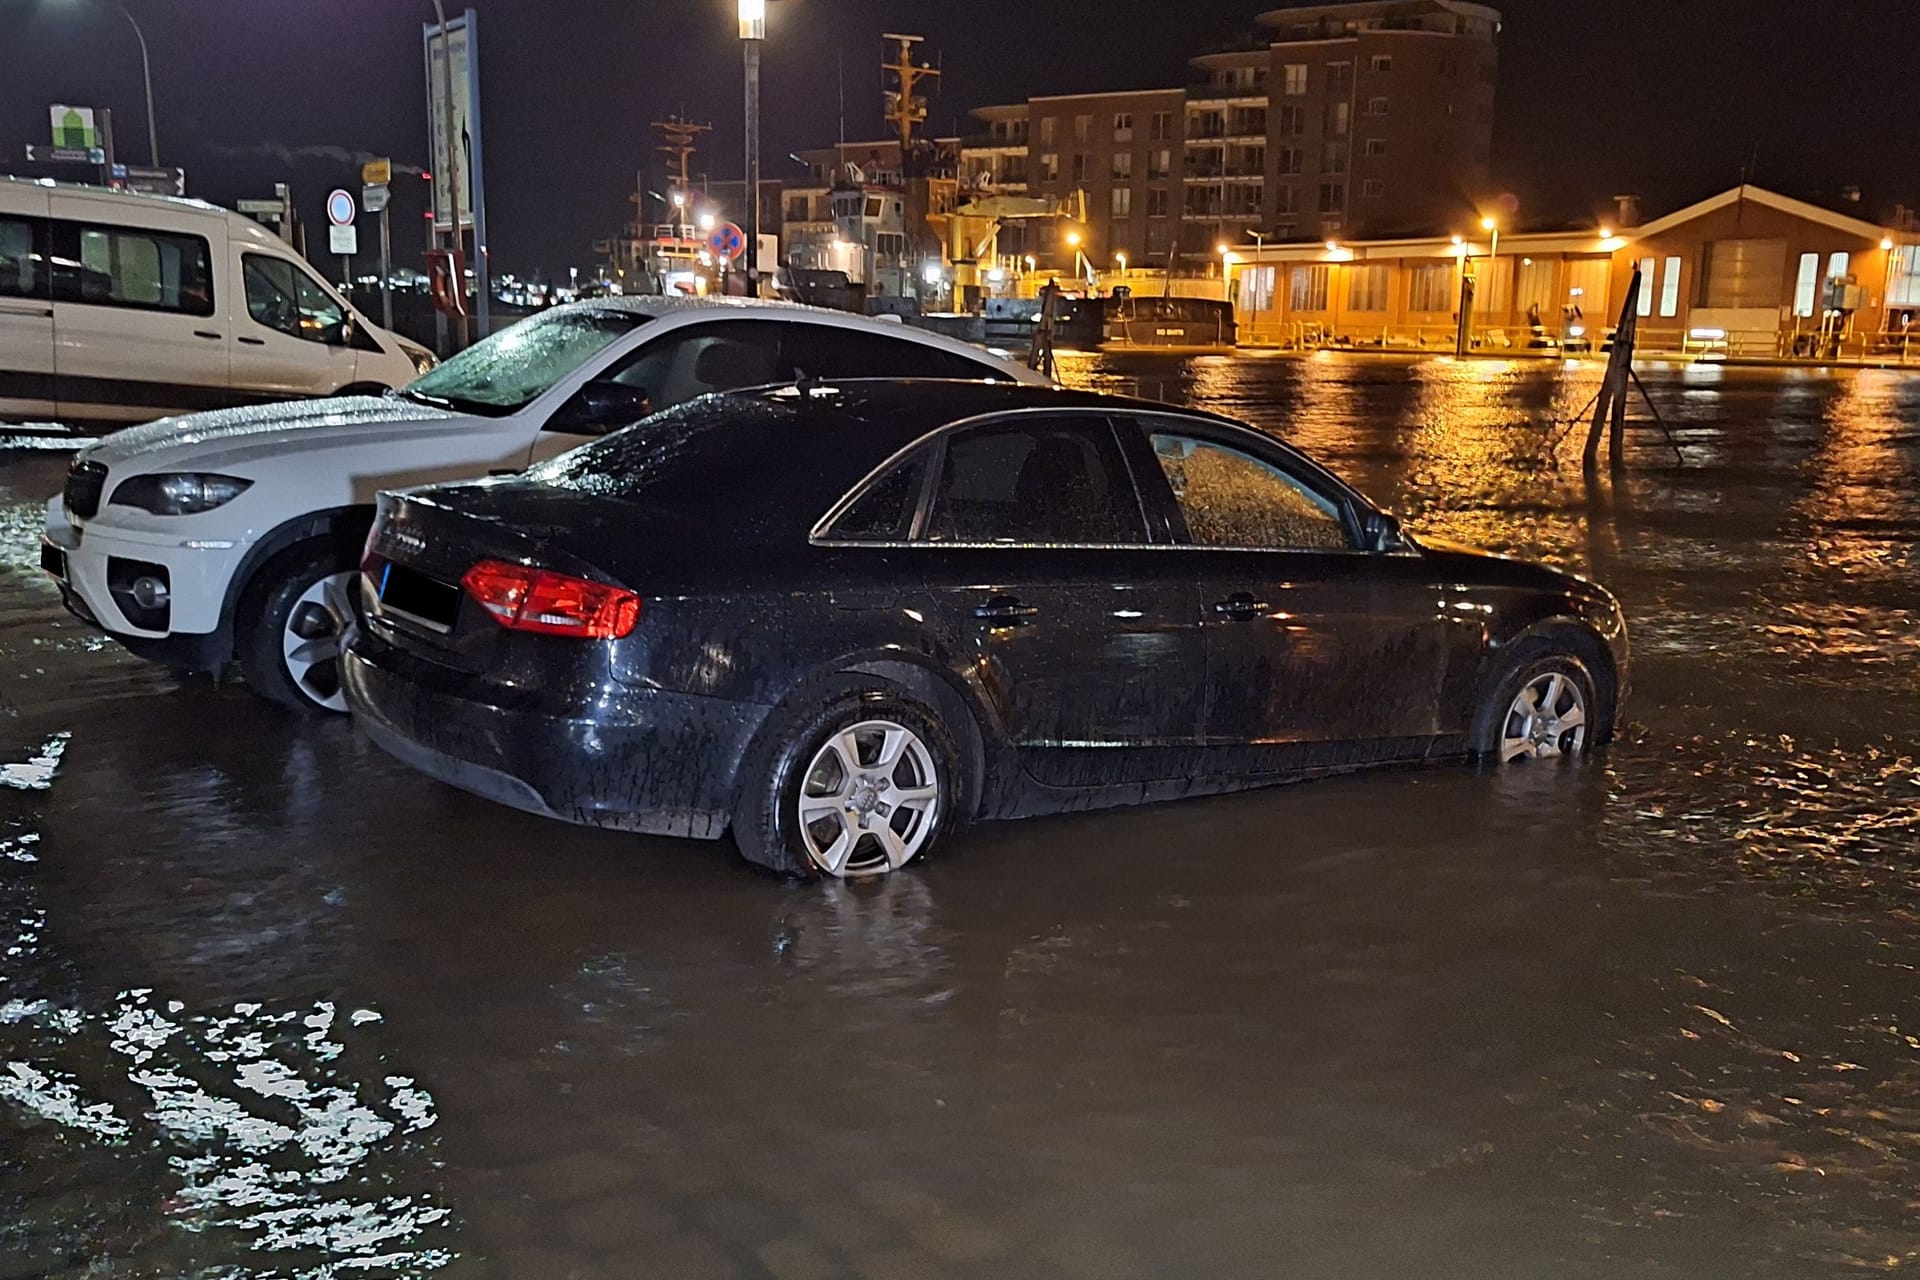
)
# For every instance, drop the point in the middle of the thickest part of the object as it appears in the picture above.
(516, 366)
(735, 460)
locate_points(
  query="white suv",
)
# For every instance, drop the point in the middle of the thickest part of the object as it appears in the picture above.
(231, 535)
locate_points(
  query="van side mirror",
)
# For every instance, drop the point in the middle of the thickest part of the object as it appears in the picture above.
(602, 406)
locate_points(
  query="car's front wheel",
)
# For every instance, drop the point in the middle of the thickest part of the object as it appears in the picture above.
(1544, 708)
(854, 780)
(297, 618)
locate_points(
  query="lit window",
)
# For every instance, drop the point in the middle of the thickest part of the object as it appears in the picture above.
(1295, 79)
(1123, 202)
(1670, 289)
(1837, 264)
(1806, 289)
(1904, 288)
(1647, 277)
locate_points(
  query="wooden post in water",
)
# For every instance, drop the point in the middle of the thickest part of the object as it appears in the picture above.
(1610, 406)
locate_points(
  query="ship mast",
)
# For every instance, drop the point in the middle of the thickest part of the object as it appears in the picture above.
(904, 107)
(679, 139)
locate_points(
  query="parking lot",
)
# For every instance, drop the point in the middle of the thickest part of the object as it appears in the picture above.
(270, 1005)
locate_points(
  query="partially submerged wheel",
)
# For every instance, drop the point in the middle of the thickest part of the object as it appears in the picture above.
(1544, 709)
(297, 620)
(853, 780)
(869, 800)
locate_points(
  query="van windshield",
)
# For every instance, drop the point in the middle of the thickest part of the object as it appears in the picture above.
(514, 367)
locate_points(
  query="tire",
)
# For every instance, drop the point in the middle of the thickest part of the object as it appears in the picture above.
(295, 618)
(801, 753)
(1506, 732)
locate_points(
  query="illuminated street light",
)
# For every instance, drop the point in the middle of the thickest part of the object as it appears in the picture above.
(1121, 259)
(1886, 244)
(708, 222)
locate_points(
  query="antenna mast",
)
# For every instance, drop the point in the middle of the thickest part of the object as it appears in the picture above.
(904, 108)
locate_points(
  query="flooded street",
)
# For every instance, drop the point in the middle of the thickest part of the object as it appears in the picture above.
(272, 1006)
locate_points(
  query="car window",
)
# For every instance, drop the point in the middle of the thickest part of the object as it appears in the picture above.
(132, 267)
(1233, 499)
(21, 272)
(884, 513)
(282, 296)
(683, 364)
(517, 365)
(1042, 481)
(832, 351)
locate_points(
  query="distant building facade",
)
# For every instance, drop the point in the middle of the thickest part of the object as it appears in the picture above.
(1747, 272)
(1353, 119)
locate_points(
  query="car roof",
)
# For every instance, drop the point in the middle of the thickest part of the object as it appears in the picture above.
(657, 306)
(919, 405)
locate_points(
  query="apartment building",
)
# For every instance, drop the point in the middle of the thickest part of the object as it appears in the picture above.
(1342, 120)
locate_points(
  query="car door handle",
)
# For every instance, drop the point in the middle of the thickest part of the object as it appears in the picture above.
(1006, 611)
(1242, 607)
(208, 334)
(253, 342)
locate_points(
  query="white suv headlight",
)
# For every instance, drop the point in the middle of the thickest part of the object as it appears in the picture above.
(180, 493)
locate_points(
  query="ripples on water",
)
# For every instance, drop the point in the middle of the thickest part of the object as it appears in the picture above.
(1670, 996)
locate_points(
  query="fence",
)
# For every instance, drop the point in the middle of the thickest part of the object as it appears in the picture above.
(1899, 349)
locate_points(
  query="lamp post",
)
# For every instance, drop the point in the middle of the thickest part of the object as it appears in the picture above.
(1491, 225)
(753, 31)
(146, 77)
(1073, 242)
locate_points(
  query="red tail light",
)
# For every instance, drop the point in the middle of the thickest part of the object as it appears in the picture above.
(522, 598)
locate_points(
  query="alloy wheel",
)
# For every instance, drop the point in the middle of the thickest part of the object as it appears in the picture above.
(1548, 719)
(318, 628)
(869, 800)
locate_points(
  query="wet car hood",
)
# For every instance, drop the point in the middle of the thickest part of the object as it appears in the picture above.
(206, 440)
(1489, 568)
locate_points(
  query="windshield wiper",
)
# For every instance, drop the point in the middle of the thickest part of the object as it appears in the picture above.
(457, 404)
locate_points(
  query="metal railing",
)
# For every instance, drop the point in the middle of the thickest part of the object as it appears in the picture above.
(1276, 328)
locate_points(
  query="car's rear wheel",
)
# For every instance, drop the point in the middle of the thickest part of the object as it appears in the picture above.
(855, 780)
(297, 620)
(1544, 709)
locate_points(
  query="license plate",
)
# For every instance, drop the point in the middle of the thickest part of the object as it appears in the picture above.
(53, 560)
(417, 597)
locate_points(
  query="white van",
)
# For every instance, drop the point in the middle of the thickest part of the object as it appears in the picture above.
(118, 308)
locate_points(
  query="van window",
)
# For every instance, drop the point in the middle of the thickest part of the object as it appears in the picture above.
(21, 272)
(282, 296)
(132, 267)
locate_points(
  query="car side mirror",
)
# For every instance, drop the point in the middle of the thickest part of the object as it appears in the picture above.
(1383, 532)
(603, 406)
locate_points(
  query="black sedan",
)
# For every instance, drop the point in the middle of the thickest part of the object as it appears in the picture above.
(844, 621)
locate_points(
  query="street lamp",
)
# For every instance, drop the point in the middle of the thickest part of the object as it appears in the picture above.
(146, 76)
(753, 31)
(1121, 260)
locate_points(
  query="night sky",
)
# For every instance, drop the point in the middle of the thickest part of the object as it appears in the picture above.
(1666, 98)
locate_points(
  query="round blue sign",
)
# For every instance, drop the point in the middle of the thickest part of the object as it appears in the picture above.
(727, 241)
(340, 208)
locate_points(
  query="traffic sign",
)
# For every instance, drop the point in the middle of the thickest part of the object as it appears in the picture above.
(340, 208)
(376, 173)
(727, 241)
(68, 155)
(273, 207)
(344, 241)
(374, 198)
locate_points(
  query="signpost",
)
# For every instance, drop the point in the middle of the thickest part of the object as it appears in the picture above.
(453, 111)
(341, 237)
(374, 198)
(156, 182)
(277, 212)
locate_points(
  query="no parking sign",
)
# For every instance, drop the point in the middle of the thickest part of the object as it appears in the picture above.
(727, 241)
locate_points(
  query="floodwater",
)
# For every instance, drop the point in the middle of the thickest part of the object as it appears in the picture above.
(270, 1006)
